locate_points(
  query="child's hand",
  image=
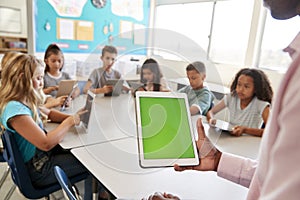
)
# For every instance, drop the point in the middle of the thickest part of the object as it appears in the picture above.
(108, 88)
(59, 101)
(212, 121)
(48, 90)
(76, 117)
(237, 130)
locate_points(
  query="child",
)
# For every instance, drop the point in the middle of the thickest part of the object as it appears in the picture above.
(248, 103)
(98, 77)
(200, 98)
(20, 113)
(54, 61)
(152, 77)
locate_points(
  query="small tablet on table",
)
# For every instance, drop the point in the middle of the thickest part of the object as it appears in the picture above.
(69, 96)
(65, 87)
(164, 128)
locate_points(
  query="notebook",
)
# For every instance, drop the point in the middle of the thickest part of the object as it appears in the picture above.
(118, 86)
(164, 129)
(85, 118)
(65, 87)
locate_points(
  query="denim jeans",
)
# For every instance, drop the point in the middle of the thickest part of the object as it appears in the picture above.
(41, 168)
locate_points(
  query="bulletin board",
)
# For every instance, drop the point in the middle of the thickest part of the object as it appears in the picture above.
(85, 26)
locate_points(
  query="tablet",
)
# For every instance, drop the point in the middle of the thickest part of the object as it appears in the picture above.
(63, 107)
(85, 118)
(118, 86)
(164, 129)
(135, 85)
(65, 87)
(223, 125)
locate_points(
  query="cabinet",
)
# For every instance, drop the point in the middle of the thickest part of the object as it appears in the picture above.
(8, 43)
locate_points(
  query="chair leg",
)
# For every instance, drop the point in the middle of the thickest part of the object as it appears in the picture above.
(10, 192)
(4, 176)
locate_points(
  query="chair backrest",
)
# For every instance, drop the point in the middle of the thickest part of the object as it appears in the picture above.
(19, 171)
(64, 183)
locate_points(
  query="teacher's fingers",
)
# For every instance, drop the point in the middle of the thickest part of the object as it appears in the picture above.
(200, 129)
(181, 168)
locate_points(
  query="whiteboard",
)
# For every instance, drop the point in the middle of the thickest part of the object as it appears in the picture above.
(10, 20)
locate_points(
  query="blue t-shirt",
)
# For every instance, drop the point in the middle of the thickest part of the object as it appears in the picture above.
(201, 98)
(12, 109)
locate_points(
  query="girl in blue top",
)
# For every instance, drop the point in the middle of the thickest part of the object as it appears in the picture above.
(248, 103)
(20, 94)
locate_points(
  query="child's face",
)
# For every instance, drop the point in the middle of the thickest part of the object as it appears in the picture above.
(196, 79)
(55, 62)
(38, 78)
(245, 87)
(108, 60)
(148, 75)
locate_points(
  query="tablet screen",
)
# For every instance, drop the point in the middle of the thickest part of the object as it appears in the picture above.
(165, 131)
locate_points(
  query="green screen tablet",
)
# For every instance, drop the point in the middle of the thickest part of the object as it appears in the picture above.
(165, 132)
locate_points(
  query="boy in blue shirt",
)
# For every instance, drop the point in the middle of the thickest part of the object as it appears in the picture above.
(200, 97)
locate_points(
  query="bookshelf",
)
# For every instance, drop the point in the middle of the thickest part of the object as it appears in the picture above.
(8, 43)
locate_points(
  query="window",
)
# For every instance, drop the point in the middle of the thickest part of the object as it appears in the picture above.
(186, 30)
(277, 35)
(230, 24)
(231, 30)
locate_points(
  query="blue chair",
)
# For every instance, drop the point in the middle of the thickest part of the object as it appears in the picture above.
(65, 183)
(20, 174)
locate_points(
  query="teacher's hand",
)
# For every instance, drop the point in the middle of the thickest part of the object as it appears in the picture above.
(209, 155)
(161, 196)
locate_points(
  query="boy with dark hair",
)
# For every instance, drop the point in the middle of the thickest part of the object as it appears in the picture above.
(200, 97)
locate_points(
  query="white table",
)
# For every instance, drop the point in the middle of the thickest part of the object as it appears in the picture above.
(245, 145)
(112, 118)
(110, 153)
(116, 165)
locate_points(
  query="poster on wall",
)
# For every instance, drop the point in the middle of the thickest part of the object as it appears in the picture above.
(85, 26)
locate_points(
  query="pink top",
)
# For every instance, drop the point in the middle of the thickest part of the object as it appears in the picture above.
(277, 174)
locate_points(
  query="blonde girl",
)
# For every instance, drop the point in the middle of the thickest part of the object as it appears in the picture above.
(20, 96)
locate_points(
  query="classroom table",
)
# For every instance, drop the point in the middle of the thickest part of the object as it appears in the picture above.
(112, 118)
(116, 165)
(110, 153)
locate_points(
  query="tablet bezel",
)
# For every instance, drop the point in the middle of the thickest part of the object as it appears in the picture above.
(69, 96)
(164, 162)
(65, 87)
(88, 105)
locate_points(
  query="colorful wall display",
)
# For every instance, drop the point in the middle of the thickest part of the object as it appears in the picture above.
(85, 26)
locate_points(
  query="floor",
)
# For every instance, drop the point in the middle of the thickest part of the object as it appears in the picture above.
(18, 196)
